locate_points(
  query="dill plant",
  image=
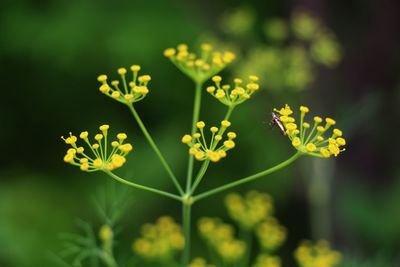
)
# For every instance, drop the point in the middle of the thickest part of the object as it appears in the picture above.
(207, 145)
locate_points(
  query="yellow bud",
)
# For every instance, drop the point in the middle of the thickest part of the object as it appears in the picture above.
(237, 81)
(199, 155)
(105, 233)
(231, 135)
(186, 139)
(121, 71)
(196, 135)
(104, 127)
(144, 78)
(182, 47)
(225, 123)
(311, 147)
(102, 78)
(206, 47)
(98, 137)
(218, 137)
(80, 150)
(114, 143)
(229, 144)
(325, 152)
(306, 125)
(125, 148)
(98, 163)
(341, 141)
(217, 79)
(317, 119)
(104, 88)
(115, 94)
(169, 52)
(253, 78)
(84, 166)
(211, 89)
(330, 121)
(200, 124)
(115, 83)
(337, 132)
(320, 129)
(84, 135)
(95, 146)
(291, 126)
(122, 136)
(214, 129)
(304, 109)
(296, 142)
(83, 160)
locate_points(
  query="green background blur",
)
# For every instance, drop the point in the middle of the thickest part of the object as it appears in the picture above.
(51, 53)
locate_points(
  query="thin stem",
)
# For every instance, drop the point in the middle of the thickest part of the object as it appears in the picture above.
(196, 113)
(229, 113)
(156, 150)
(186, 215)
(248, 178)
(247, 237)
(199, 176)
(146, 188)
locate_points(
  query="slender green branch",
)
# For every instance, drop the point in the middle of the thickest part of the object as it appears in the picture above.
(229, 112)
(186, 216)
(146, 188)
(196, 114)
(156, 150)
(199, 176)
(248, 178)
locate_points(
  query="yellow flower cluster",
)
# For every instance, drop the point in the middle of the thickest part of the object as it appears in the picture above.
(265, 260)
(220, 237)
(199, 148)
(104, 157)
(312, 142)
(250, 210)
(271, 234)
(200, 262)
(106, 233)
(199, 68)
(130, 92)
(159, 241)
(318, 255)
(232, 96)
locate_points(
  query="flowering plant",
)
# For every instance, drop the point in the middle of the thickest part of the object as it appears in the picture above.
(165, 238)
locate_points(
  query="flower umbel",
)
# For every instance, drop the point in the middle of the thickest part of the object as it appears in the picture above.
(318, 255)
(250, 210)
(160, 241)
(265, 260)
(233, 95)
(312, 142)
(271, 234)
(203, 150)
(199, 67)
(104, 156)
(130, 92)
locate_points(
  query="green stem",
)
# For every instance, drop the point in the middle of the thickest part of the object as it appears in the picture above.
(247, 237)
(196, 113)
(248, 178)
(156, 150)
(199, 176)
(229, 113)
(146, 188)
(186, 215)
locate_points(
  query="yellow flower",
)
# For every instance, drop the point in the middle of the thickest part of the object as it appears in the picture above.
(250, 210)
(199, 67)
(236, 94)
(271, 234)
(313, 142)
(220, 237)
(105, 156)
(318, 255)
(201, 150)
(105, 233)
(133, 91)
(160, 241)
(265, 260)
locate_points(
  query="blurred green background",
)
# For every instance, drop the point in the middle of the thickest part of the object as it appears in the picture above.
(52, 51)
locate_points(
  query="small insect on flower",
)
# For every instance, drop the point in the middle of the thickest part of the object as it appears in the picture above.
(275, 121)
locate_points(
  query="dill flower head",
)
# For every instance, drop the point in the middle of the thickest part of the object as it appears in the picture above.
(200, 262)
(304, 25)
(159, 241)
(312, 141)
(326, 50)
(106, 233)
(101, 154)
(265, 260)
(126, 90)
(212, 150)
(236, 94)
(271, 234)
(317, 255)
(249, 210)
(199, 67)
(221, 238)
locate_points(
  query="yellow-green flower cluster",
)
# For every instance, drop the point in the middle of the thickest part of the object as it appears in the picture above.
(233, 95)
(199, 67)
(203, 150)
(312, 142)
(159, 241)
(250, 210)
(124, 91)
(200, 262)
(220, 237)
(318, 255)
(265, 260)
(271, 234)
(106, 233)
(304, 25)
(104, 156)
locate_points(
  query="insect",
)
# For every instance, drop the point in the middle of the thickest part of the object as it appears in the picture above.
(275, 121)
